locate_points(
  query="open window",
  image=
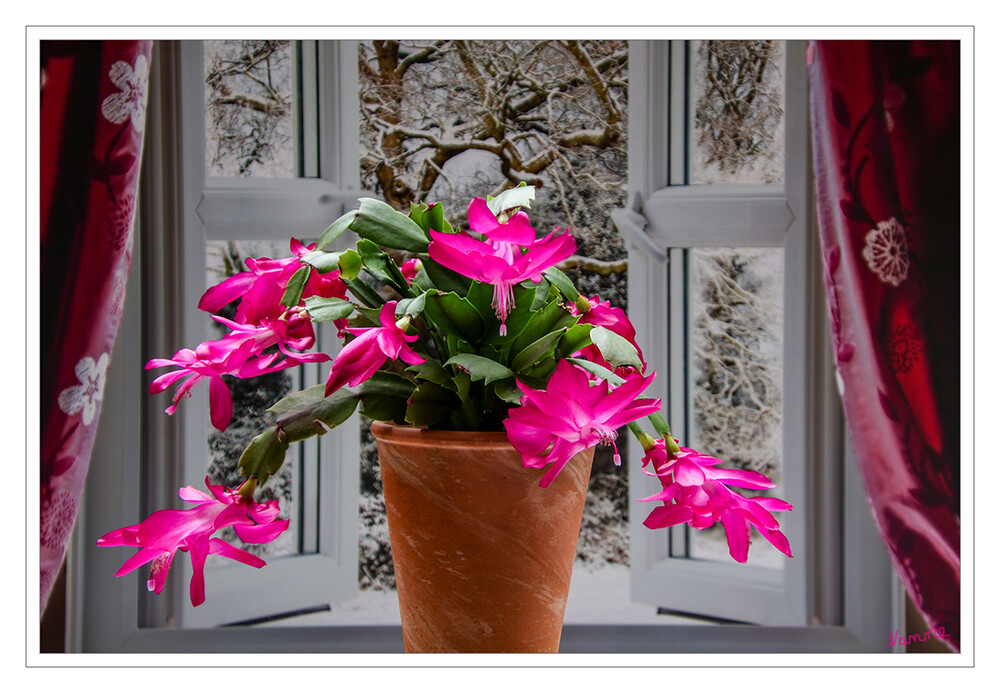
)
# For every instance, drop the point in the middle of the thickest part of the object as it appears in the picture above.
(724, 287)
(684, 231)
(277, 122)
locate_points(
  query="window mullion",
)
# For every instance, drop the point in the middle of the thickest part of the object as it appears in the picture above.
(678, 386)
(270, 209)
(680, 217)
(307, 87)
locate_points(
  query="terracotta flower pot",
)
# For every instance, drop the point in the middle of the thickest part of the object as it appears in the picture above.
(483, 556)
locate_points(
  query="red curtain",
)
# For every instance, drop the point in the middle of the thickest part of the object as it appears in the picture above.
(885, 120)
(93, 109)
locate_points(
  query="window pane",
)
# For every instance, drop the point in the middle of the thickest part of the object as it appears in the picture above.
(444, 121)
(251, 109)
(734, 372)
(737, 97)
(251, 397)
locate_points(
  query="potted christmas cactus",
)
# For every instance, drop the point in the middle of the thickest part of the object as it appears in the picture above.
(490, 379)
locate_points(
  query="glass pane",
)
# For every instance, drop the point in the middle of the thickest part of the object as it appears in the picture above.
(251, 397)
(735, 299)
(444, 121)
(737, 97)
(251, 110)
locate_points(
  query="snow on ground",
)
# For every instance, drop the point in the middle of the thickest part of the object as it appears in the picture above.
(600, 596)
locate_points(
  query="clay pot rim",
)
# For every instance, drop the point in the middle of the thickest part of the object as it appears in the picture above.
(412, 434)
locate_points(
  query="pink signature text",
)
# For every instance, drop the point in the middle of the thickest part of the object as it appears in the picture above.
(894, 637)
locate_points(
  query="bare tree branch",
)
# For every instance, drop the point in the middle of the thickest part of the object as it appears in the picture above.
(427, 105)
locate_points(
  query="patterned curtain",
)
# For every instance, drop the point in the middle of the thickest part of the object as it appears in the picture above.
(93, 108)
(885, 119)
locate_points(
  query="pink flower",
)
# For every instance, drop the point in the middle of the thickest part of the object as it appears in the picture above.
(409, 269)
(261, 289)
(239, 354)
(696, 493)
(603, 314)
(509, 254)
(295, 331)
(210, 360)
(573, 413)
(161, 535)
(361, 357)
(507, 236)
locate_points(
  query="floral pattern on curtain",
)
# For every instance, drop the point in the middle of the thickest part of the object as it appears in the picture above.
(93, 109)
(885, 120)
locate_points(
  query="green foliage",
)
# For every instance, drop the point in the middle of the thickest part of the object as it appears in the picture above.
(472, 373)
(264, 456)
(327, 309)
(480, 367)
(436, 276)
(347, 262)
(380, 266)
(295, 286)
(455, 316)
(378, 222)
(385, 396)
(334, 231)
(431, 404)
(615, 349)
(430, 217)
(559, 280)
(309, 412)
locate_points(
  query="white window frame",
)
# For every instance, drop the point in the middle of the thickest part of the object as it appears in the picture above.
(181, 211)
(848, 588)
(258, 208)
(666, 216)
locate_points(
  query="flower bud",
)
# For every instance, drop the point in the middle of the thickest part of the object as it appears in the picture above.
(583, 304)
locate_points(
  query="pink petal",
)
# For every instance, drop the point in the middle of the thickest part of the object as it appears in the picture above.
(168, 529)
(227, 550)
(137, 560)
(741, 478)
(219, 492)
(261, 534)
(561, 454)
(159, 363)
(529, 423)
(667, 494)
(389, 341)
(779, 541)
(158, 574)
(221, 403)
(226, 292)
(737, 535)
(167, 379)
(126, 536)
(387, 316)
(262, 513)
(481, 218)
(772, 504)
(199, 549)
(667, 516)
(624, 397)
(355, 362)
(410, 356)
(544, 254)
(758, 515)
(194, 495)
(633, 412)
(688, 473)
(467, 256)
(572, 380)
